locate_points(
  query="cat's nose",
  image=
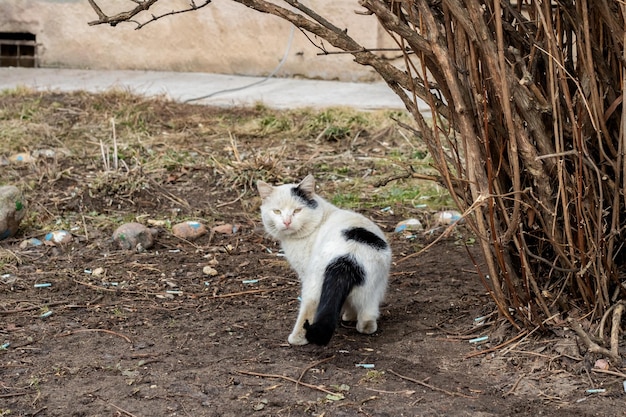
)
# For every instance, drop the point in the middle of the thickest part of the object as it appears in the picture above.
(287, 222)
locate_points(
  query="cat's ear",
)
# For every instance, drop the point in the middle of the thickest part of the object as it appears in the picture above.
(308, 185)
(264, 189)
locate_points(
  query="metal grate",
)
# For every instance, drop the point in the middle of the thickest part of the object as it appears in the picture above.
(18, 49)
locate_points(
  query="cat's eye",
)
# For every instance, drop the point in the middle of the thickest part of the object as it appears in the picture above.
(298, 210)
(276, 211)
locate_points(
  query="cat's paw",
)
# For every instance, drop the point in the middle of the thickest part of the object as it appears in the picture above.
(297, 339)
(367, 327)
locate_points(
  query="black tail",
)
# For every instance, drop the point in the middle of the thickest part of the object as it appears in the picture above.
(340, 276)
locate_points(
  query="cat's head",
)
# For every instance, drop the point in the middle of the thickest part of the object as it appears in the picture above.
(290, 210)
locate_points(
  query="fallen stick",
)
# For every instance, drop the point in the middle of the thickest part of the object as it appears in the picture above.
(305, 370)
(514, 387)
(237, 294)
(21, 310)
(14, 394)
(96, 330)
(121, 410)
(429, 386)
(592, 346)
(286, 378)
(500, 346)
(608, 372)
(115, 290)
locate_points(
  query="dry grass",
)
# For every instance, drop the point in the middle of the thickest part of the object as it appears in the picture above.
(123, 150)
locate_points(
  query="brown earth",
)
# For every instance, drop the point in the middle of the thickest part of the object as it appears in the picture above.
(150, 334)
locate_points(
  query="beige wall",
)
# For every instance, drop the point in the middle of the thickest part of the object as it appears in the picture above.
(223, 37)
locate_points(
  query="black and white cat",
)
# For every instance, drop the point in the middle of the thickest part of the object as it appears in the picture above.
(341, 257)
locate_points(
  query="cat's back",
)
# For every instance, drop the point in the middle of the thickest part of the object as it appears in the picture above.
(347, 230)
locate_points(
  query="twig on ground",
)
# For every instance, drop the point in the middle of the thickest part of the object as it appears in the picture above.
(432, 387)
(121, 410)
(39, 411)
(380, 391)
(21, 310)
(286, 378)
(305, 370)
(173, 198)
(592, 346)
(14, 394)
(608, 372)
(233, 201)
(237, 294)
(514, 387)
(96, 330)
(500, 346)
(116, 290)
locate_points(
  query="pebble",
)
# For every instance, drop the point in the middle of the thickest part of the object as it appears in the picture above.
(58, 237)
(209, 270)
(227, 229)
(21, 158)
(49, 153)
(33, 241)
(189, 230)
(408, 225)
(134, 236)
(12, 210)
(601, 364)
(448, 217)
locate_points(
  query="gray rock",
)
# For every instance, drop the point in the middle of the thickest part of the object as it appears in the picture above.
(134, 236)
(12, 210)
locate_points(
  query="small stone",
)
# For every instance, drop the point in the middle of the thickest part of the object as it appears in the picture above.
(408, 225)
(448, 217)
(189, 230)
(601, 364)
(98, 271)
(227, 229)
(157, 223)
(58, 237)
(134, 236)
(46, 153)
(12, 210)
(209, 270)
(33, 241)
(21, 158)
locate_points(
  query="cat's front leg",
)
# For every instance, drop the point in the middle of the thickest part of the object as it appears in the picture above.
(307, 312)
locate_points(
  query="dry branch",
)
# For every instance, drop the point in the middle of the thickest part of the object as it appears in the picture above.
(286, 378)
(592, 346)
(430, 386)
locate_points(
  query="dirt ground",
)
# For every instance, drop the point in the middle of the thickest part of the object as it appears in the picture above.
(121, 333)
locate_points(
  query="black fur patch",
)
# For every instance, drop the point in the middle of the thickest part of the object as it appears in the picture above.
(362, 235)
(340, 276)
(304, 196)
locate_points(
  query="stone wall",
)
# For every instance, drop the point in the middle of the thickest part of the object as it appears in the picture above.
(224, 37)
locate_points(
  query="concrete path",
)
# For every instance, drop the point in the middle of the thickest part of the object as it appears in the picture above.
(217, 89)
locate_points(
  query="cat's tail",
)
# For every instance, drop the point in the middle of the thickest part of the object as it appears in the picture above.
(340, 276)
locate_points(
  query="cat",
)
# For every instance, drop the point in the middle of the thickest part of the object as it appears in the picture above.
(341, 257)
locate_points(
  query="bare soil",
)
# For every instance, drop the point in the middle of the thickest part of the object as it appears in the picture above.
(150, 334)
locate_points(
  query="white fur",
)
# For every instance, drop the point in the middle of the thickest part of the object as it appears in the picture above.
(311, 238)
